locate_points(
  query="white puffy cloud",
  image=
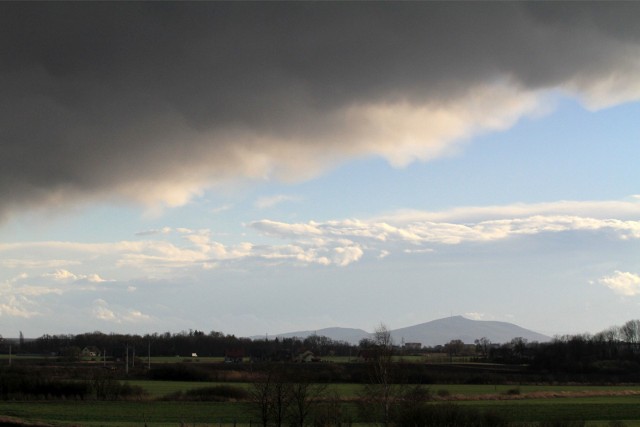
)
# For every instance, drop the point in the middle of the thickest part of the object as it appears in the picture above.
(332, 242)
(623, 283)
(299, 254)
(620, 209)
(135, 316)
(271, 201)
(23, 295)
(426, 232)
(37, 263)
(280, 229)
(346, 255)
(17, 307)
(163, 230)
(418, 232)
(102, 310)
(18, 297)
(475, 315)
(62, 275)
(403, 132)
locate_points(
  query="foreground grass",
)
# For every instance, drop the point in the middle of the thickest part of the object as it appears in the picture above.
(349, 390)
(595, 410)
(598, 411)
(125, 414)
(157, 389)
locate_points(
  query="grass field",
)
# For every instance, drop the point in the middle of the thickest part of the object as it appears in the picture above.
(610, 404)
(598, 411)
(161, 388)
(125, 414)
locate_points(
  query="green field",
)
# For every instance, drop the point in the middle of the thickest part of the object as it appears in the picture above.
(127, 414)
(161, 388)
(521, 406)
(596, 409)
(600, 410)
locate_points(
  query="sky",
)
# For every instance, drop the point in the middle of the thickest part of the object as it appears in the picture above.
(261, 168)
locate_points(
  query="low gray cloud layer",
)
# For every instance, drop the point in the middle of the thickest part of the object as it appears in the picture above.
(155, 101)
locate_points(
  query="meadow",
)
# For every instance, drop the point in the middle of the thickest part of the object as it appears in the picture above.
(351, 390)
(597, 405)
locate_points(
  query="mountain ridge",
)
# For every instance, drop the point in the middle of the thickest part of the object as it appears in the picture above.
(432, 333)
(441, 331)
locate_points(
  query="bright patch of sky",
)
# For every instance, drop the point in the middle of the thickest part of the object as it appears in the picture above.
(559, 156)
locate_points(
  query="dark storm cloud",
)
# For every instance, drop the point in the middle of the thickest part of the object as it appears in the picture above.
(152, 101)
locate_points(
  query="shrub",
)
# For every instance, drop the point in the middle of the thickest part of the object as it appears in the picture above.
(173, 396)
(217, 393)
(22, 384)
(443, 392)
(109, 389)
(179, 372)
(563, 423)
(447, 415)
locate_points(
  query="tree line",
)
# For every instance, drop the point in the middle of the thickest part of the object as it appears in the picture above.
(615, 349)
(182, 344)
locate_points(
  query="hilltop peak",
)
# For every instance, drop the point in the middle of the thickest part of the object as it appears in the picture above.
(441, 331)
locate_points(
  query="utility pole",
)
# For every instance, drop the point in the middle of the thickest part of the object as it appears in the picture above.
(149, 354)
(9, 354)
(126, 359)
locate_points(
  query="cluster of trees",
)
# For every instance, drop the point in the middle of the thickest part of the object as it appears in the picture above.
(614, 350)
(280, 397)
(21, 383)
(180, 344)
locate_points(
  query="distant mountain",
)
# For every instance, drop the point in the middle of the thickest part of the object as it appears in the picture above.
(441, 331)
(350, 335)
(436, 332)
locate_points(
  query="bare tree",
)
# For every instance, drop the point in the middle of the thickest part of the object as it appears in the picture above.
(380, 392)
(281, 398)
(261, 396)
(304, 396)
(330, 413)
(271, 394)
(609, 338)
(518, 347)
(454, 347)
(630, 332)
(482, 346)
